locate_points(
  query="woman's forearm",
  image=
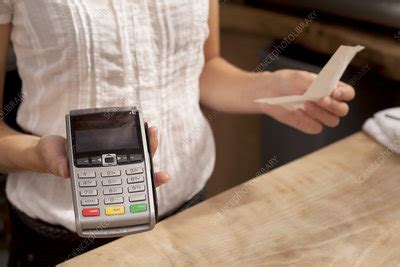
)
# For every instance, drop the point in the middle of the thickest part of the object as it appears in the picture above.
(18, 151)
(227, 88)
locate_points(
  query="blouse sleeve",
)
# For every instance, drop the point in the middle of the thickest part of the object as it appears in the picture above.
(5, 11)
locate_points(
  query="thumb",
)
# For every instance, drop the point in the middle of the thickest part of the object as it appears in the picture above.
(153, 136)
(59, 166)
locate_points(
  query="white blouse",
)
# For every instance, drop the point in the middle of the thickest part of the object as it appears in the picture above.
(74, 54)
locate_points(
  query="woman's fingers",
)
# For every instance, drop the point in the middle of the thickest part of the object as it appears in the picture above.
(161, 178)
(344, 92)
(305, 123)
(153, 136)
(331, 107)
(297, 119)
(336, 107)
(320, 114)
(301, 81)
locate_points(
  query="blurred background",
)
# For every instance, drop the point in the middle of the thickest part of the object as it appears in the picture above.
(250, 31)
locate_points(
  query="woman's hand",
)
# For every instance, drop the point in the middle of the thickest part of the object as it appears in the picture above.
(311, 120)
(52, 152)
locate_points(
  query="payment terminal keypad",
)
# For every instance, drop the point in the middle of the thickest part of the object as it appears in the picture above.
(119, 191)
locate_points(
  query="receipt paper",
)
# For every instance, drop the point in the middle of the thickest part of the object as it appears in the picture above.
(325, 82)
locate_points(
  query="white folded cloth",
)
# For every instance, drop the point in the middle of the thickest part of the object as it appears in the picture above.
(384, 126)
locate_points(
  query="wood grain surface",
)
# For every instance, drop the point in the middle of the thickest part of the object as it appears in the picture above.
(339, 206)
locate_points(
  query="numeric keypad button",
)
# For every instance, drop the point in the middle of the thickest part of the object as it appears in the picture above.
(134, 170)
(88, 192)
(87, 183)
(111, 173)
(135, 179)
(109, 182)
(86, 174)
(112, 191)
(135, 188)
(113, 200)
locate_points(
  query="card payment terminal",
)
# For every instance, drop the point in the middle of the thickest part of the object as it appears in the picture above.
(111, 171)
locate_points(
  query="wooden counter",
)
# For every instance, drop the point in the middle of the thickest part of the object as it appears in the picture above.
(339, 206)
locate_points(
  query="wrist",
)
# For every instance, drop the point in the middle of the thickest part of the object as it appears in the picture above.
(261, 86)
(32, 156)
(18, 151)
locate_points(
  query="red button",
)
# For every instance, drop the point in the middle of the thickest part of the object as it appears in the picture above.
(91, 212)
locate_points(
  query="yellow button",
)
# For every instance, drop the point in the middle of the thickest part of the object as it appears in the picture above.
(116, 210)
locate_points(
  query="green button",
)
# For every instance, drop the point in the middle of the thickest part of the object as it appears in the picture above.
(135, 208)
